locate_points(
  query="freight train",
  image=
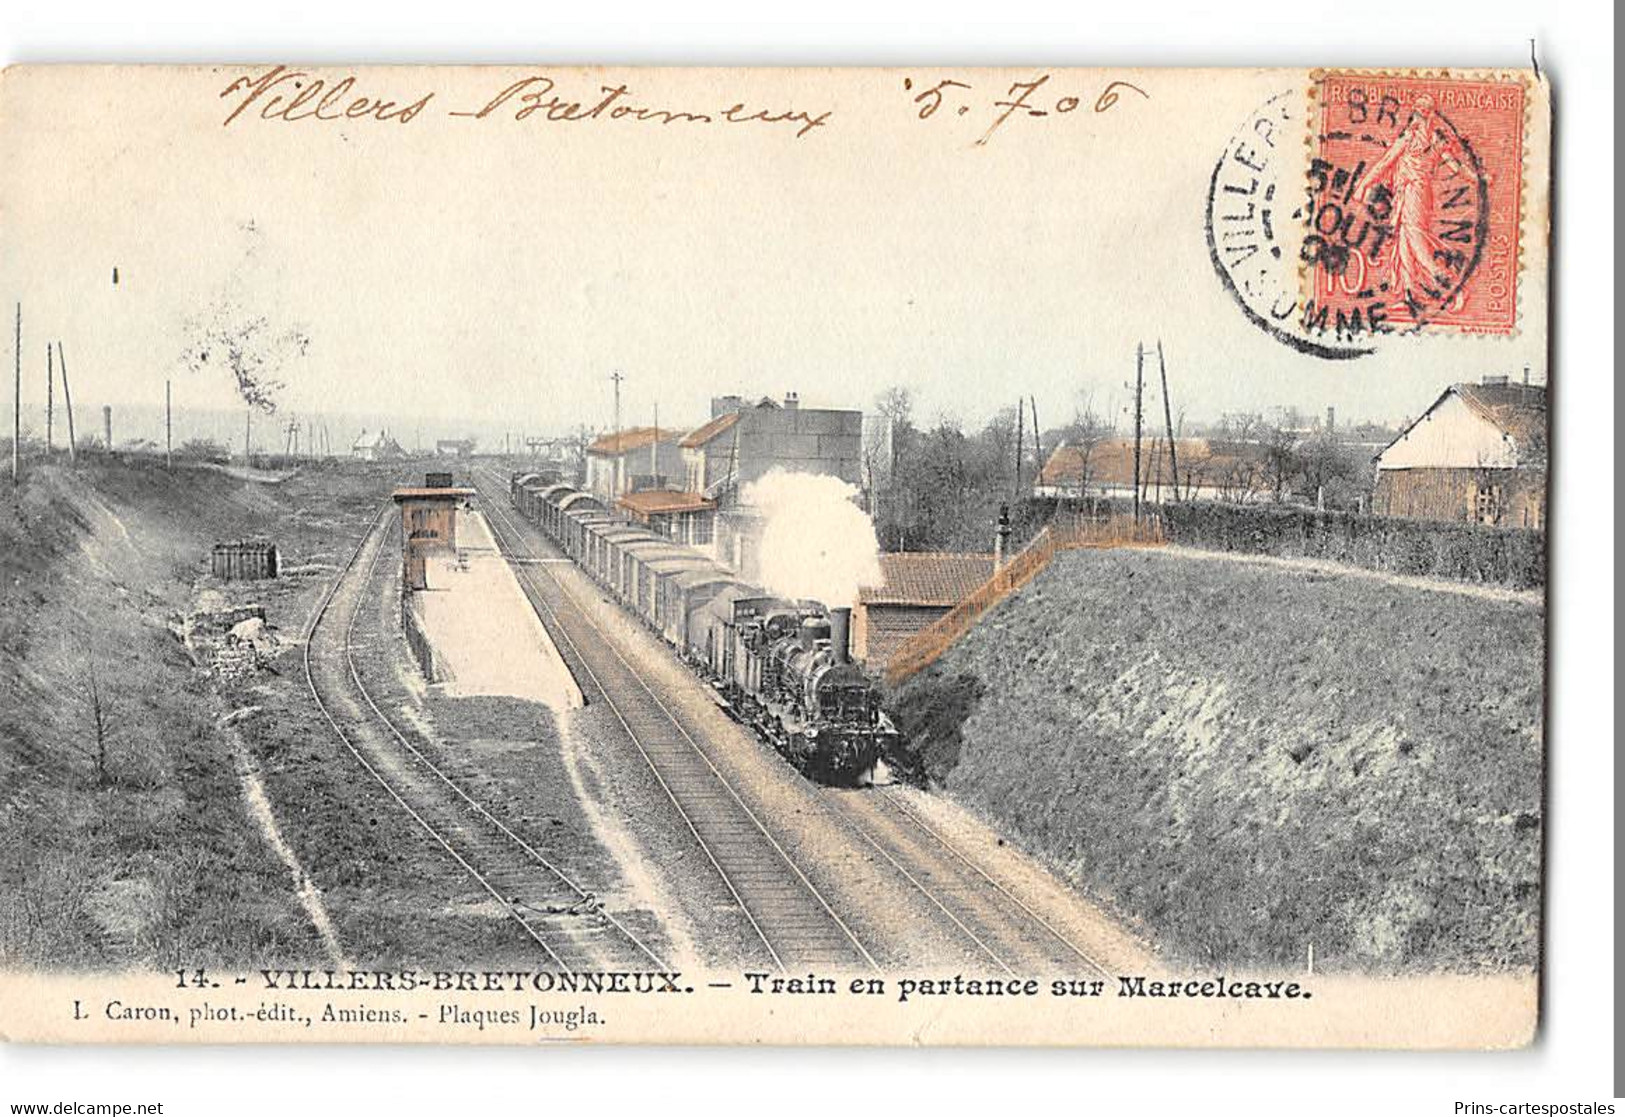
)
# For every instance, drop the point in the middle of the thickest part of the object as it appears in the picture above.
(781, 666)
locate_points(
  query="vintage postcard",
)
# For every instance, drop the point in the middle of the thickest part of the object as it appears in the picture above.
(546, 554)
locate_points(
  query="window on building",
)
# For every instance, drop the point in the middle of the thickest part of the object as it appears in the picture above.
(700, 530)
(1488, 508)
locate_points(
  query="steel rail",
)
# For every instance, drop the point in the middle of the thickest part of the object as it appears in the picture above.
(526, 572)
(893, 801)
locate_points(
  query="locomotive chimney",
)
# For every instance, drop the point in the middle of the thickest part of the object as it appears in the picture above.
(840, 634)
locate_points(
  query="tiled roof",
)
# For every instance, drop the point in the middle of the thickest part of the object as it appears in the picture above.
(706, 433)
(662, 500)
(1111, 461)
(1518, 409)
(927, 578)
(633, 438)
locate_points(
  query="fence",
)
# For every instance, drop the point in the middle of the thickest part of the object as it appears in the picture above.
(924, 647)
(244, 561)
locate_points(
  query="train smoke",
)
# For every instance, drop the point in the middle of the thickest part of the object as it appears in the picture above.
(816, 542)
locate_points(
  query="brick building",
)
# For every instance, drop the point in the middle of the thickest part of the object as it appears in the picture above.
(916, 589)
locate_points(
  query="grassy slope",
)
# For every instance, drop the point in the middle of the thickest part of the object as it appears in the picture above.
(1249, 759)
(156, 863)
(159, 865)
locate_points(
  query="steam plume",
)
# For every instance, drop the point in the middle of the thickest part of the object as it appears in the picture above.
(816, 542)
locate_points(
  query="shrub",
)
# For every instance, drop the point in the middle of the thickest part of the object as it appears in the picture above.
(1512, 557)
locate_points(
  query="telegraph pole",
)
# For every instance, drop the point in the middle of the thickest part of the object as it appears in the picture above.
(615, 475)
(50, 398)
(67, 401)
(1168, 420)
(1139, 400)
(1038, 445)
(1021, 438)
(17, 406)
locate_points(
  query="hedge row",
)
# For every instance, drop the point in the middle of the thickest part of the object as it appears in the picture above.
(1512, 557)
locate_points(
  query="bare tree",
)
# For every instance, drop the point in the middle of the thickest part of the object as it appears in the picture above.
(247, 348)
(243, 343)
(896, 406)
(97, 714)
(1279, 441)
(1086, 432)
(1236, 458)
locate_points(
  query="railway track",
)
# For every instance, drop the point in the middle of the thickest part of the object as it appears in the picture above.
(797, 926)
(996, 925)
(561, 918)
(1005, 929)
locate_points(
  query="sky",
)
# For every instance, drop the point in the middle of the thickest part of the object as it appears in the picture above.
(496, 271)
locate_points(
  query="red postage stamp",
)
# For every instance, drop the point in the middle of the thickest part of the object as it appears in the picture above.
(1414, 194)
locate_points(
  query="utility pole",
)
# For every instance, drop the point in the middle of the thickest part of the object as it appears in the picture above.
(17, 407)
(169, 429)
(1139, 401)
(615, 471)
(107, 425)
(1168, 420)
(1038, 446)
(1021, 437)
(50, 397)
(654, 447)
(248, 434)
(67, 401)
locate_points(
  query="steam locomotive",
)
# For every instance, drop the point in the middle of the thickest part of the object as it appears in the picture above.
(783, 667)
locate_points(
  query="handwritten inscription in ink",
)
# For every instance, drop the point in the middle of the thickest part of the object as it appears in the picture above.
(1023, 99)
(287, 95)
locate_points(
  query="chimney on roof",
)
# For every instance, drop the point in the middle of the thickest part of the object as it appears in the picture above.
(791, 401)
(1526, 376)
(1495, 381)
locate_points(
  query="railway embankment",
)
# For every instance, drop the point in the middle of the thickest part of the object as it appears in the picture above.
(1251, 760)
(126, 834)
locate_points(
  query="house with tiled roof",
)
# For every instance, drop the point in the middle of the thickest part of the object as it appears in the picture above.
(1477, 454)
(916, 588)
(1209, 469)
(632, 459)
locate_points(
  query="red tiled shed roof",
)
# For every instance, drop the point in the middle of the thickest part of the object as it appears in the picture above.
(927, 578)
(662, 500)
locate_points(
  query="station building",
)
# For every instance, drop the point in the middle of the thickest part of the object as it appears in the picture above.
(744, 441)
(632, 460)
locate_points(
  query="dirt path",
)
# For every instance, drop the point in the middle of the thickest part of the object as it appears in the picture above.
(1536, 598)
(259, 809)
